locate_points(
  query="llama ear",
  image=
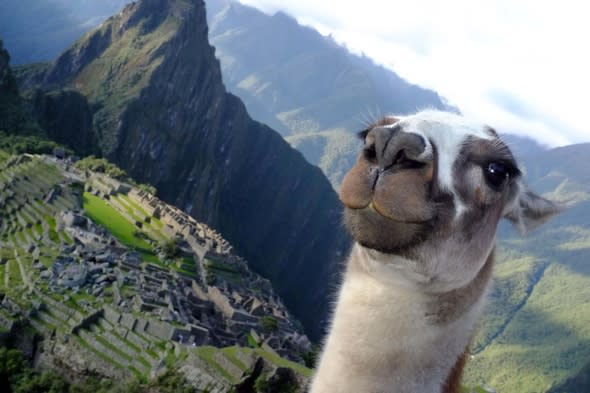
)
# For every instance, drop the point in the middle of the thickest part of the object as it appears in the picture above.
(530, 210)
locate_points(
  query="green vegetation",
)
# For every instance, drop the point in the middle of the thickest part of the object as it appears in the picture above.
(231, 354)
(102, 340)
(17, 376)
(34, 144)
(262, 385)
(310, 358)
(185, 266)
(207, 353)
(104, 214)
(280, 362)
(102, 165)
(133, 55)
(334, 151)
(170, 248)
(3, 156)
(269, 323)
(252, 341)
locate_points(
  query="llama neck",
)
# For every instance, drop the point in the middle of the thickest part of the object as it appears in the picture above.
(389, 338)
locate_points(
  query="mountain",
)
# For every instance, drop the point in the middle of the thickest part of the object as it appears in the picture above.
(9, 96)
(523, 146)
(578, 383)
(535, 335)
(19, 131)
(13, 117)
(99, 277)
(157, 107)
(307, 87)
(36, 30)
(160, 111)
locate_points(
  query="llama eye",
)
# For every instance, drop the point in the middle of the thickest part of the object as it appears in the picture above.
(497, 175)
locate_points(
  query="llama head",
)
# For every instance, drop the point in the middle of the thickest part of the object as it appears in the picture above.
(426, 194)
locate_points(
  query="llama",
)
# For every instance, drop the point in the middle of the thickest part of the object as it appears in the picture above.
(422, 203)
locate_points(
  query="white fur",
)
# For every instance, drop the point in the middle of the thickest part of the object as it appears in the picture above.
(381, 341)
(448, 132)
(400, 325)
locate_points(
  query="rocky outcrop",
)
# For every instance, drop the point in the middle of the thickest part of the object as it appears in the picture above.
(161, 112)
(66, 117)
(12, 116)
(7, 82)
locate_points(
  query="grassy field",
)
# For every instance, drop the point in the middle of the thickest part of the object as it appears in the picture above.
(3, 156)
(107, 216)
(207, 353)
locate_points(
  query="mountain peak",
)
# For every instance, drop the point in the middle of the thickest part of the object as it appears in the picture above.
(160, 111)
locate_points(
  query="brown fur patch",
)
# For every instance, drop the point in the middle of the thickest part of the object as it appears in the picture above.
(450, 306)
(453, 382)
(403, 196)
(384, 121)
(479, 196)
(356, 190)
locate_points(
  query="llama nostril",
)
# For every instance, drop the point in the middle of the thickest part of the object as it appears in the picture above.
(370, 153)
(404, 149)
(393, 147)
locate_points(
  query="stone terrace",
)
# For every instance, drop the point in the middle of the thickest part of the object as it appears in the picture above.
(73, 281)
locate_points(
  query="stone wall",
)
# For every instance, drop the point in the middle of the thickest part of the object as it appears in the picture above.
(87, 321)
(221, 301)
(160, 330)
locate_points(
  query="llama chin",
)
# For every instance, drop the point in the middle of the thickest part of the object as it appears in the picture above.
(422, 203)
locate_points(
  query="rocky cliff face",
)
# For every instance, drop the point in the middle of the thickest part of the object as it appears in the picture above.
(10, 106)
(7, 84)
(67, 119)
(160, 111)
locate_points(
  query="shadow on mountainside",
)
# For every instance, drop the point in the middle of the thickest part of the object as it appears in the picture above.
(539, 349)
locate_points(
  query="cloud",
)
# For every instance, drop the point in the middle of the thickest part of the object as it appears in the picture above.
(519, 66)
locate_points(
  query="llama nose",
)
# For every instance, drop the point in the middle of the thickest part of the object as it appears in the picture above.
(392, 146)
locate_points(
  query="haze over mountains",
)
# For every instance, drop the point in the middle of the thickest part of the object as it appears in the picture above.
(304, 85)
(148, 94)
(36, 31)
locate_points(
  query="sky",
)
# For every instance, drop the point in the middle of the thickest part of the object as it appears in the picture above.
(522, 67)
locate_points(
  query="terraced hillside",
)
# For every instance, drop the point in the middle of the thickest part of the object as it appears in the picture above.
(120, 284)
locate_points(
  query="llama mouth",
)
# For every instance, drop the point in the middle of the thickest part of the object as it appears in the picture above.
(373, 230)
(374, 208)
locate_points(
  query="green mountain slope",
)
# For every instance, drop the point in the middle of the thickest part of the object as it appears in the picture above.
(536, 330)
(159, 110)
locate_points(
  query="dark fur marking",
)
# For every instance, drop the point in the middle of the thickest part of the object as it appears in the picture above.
(450, 306)
(453, 382)
(490, 131)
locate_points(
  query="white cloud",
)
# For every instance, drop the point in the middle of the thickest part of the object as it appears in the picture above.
(533, 53)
